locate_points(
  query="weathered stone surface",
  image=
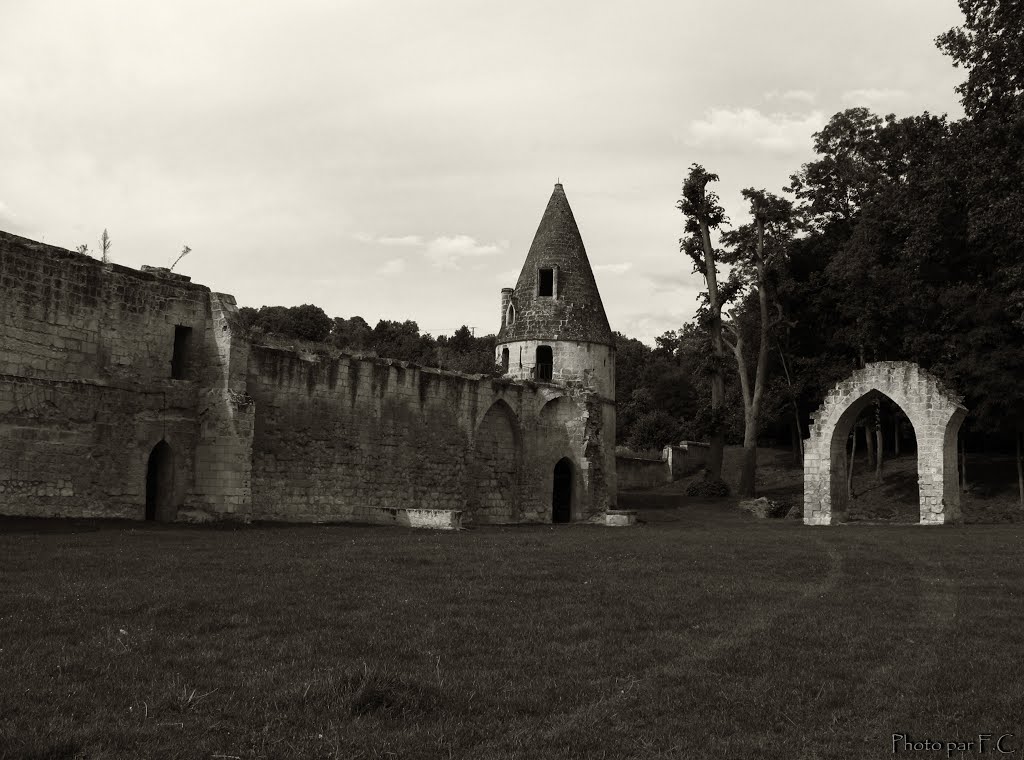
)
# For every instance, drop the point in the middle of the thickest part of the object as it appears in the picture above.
(92, 384)
(570, 321)
(936, 415)
(764, 508)
(619, 518)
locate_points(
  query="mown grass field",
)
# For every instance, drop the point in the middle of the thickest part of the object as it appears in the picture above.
(695, 635)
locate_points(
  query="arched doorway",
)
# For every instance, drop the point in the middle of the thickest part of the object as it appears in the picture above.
(935, 415)
(160, 484)
(561, 492)
(880, 470)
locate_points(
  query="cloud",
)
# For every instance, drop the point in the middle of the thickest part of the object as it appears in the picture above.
(393, 267)
(444, 251)
(614, 268)
(871, 95)
(447, 251)
(799, 96)
(749, 128)
(404, 240)
(667, 282)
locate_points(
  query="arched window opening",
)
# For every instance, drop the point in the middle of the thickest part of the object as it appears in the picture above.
(504, 359)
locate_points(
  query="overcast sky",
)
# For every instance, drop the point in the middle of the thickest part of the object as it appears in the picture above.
(392, 159)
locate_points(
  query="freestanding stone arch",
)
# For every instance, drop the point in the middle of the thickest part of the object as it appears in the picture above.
(936, 415)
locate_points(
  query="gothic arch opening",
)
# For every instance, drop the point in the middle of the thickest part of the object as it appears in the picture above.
(496, 460)
(878, 464)
(160, 484)
(935, 415)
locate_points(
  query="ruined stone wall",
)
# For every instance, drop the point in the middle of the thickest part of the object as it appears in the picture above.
(347, 439)
(85, 381)
(638, 473)
(87, 394)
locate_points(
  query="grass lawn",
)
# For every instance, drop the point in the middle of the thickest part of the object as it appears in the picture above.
(697, 634)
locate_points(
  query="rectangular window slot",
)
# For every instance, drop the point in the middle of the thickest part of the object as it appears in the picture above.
(182, 351)
(547, 282)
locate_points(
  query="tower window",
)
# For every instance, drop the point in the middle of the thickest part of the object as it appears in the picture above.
(504, 359)
(547, 282)
(545, 363)
(182, 349)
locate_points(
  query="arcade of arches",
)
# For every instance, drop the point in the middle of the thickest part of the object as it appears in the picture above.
(934, 413)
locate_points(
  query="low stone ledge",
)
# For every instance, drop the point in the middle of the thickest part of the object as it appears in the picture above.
(434, 519)
(619, 518)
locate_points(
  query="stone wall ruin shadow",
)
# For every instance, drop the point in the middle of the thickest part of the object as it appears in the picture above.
(935, 415)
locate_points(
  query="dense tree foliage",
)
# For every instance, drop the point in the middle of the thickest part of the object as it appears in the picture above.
(906, 242)
(461, 352)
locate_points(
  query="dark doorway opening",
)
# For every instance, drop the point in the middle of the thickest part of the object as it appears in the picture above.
(160, 483)
(545, 363)
(182, 350)
(561, 492)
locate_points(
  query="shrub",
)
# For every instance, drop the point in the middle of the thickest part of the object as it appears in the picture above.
(708, 488)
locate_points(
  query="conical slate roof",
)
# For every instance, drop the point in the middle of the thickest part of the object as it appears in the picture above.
(576, 311)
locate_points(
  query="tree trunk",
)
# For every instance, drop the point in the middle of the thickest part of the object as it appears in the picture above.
(796, 410)
(797, 442)
(963, 465)
(752, 399)
(896, 434)
(1020, 471)
(879, 450)
(716, 452)
(749, 471)
(869, 441)
(717, 449)
(853, 454)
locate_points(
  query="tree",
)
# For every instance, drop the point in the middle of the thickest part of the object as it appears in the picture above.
(105, 246)
(309, 322)
(990, 45)
(352, 334)
(654, 429)
(185, 251)
(754, 248)
(704, 213)
(83, 249)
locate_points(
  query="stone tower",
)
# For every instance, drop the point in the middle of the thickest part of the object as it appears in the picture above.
(553, 325)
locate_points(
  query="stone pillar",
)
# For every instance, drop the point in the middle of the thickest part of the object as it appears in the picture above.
(222, 488)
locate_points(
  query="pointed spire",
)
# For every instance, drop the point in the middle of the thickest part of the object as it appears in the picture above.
(574, 311)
